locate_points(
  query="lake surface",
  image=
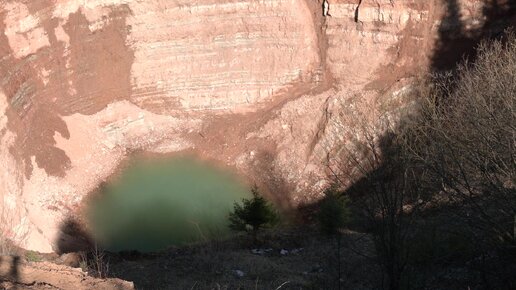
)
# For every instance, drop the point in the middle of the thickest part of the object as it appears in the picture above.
(157, 203)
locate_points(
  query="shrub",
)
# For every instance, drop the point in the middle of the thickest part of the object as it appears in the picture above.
(333, 212)
(465, 138)
(382, 183)
(95, 262)
(332, 216)
(252, 215)
(33, 256)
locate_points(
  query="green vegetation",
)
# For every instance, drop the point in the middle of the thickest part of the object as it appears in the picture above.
(333, 212)
(252, 215)
(32, 256)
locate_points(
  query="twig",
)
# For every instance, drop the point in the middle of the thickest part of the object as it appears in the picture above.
(193, 287)
(286, 282)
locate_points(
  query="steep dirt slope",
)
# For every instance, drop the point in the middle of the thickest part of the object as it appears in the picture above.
(256, 85)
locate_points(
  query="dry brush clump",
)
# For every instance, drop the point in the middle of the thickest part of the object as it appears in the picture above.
(387, 194)
(453, 151)
(95, 262)
(465, 137)
(382, 184)
(5, 243)
(11, 233)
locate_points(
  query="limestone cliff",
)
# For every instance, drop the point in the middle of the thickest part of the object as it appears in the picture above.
(257, 85)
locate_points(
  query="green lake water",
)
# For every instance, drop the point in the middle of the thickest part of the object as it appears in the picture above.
(158, 203)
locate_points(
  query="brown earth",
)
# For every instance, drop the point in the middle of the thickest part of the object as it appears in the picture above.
(259, 86)
(18, 274)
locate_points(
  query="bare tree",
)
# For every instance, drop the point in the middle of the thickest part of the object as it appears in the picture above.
(465, 136)
(381, 183)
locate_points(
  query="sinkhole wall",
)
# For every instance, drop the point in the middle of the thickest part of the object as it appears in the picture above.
(260, 86)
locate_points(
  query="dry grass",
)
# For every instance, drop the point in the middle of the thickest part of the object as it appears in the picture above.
(214, 265)
(95, 262)
(8, 234)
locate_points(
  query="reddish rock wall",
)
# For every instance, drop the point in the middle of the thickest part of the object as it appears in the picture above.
(256, 85)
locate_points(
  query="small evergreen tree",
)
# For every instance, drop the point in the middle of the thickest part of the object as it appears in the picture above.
(252, 215)
(333, 212)
(332, 216)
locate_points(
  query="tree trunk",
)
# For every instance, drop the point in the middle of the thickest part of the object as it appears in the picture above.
(255, 236)
(514, 230)
(338, 260)
(394, 279)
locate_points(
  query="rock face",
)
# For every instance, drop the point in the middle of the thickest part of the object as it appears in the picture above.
(256, 85)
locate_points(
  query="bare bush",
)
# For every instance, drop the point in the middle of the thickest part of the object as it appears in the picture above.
(332, 216)
(10, 233)
(381, 183)
(459, 144)
(465, 137)
(95, 262)
(5, 243)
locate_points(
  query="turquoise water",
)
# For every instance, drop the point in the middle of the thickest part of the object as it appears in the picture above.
(158, 203)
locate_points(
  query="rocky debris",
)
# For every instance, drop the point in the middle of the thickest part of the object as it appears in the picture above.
(282, 252)
(239, 273)
(296, 251)
(261, 251)
(18, 274)
(71, 259)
